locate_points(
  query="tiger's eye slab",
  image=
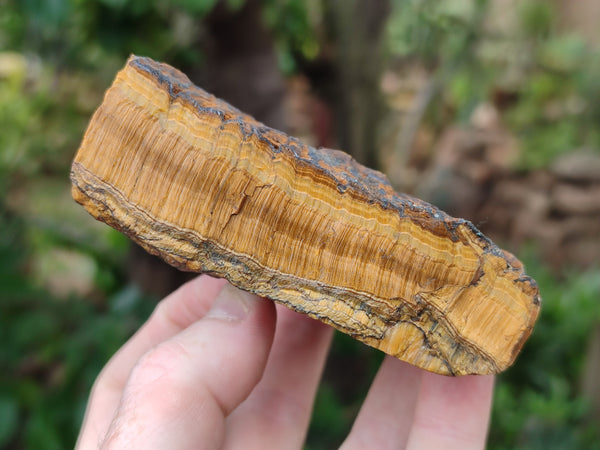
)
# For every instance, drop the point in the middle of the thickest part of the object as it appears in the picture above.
(209, 189)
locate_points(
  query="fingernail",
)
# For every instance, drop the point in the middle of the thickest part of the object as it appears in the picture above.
(232, 304)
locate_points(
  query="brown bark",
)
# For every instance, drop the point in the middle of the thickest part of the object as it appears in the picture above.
(356, 30)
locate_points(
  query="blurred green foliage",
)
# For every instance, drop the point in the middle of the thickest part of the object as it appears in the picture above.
(293, 24)
(58, 57)
(53, 348)
(553, 76)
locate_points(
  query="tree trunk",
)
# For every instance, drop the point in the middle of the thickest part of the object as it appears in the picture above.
(357, 31)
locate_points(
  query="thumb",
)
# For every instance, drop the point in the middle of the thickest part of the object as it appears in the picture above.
(179, 393)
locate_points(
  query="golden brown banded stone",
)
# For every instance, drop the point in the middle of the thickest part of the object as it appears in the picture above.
(209, 189)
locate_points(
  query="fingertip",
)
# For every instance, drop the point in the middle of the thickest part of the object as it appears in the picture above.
(233, 304)
(191, 301)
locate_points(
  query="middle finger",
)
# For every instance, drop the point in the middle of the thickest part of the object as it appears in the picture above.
(386, 416)
(277, 412)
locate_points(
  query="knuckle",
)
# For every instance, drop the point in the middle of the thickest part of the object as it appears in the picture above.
(160, 370)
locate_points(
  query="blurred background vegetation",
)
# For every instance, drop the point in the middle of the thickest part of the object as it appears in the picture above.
(489, 108)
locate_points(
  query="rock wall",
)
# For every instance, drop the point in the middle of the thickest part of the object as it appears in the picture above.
(558, 208)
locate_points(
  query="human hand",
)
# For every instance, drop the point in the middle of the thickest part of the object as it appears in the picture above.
(210, 369)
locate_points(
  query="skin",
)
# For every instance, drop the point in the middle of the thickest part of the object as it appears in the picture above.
(216, 367)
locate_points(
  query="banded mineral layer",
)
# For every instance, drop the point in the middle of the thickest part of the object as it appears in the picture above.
(209, 189)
